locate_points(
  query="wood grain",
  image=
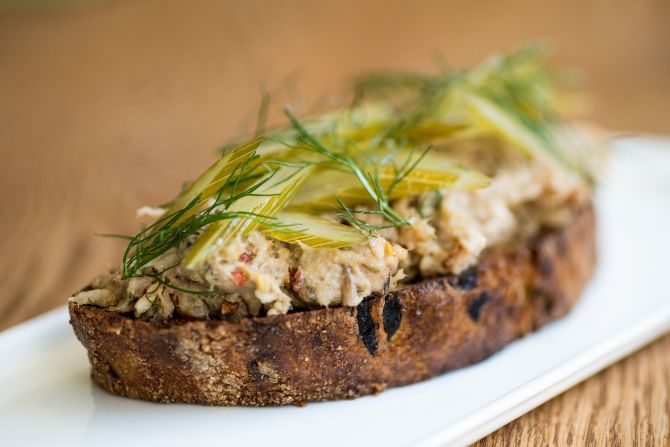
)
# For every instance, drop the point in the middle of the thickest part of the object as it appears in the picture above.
(628, 404)
(108, 105)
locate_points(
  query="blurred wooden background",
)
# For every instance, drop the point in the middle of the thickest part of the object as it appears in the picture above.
(109, 105)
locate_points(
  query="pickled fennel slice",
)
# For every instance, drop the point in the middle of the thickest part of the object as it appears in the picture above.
(322, 189)
(314, 231)
(260, 208)
(214, 177)
(494, 118)
(514, 127)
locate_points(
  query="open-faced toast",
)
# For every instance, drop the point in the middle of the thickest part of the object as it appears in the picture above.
(405, 336)
(420, 229)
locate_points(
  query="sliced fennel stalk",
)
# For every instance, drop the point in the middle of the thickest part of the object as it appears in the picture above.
(214, 177)
(492, 117)
(503, 123)
(320, 191)
(314, 231)
(260, 209)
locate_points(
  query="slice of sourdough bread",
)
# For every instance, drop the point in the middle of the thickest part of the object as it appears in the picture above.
(406, 336)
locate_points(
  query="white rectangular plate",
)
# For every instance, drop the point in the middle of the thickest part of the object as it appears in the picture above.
(47, 398)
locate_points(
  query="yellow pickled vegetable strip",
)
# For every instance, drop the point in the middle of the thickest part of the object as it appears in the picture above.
(320, 190)
(214, 177)
(491, 116)
(315, 231)
(272, 197)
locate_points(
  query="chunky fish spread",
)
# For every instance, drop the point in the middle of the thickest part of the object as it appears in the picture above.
(450, 230)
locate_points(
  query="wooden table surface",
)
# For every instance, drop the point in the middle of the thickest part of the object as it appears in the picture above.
(109, 105)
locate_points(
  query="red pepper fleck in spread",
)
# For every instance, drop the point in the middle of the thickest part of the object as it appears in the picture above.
(296, 278)
(246, 257)
(240, 277)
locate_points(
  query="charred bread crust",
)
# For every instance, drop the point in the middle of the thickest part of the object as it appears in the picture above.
(404, 337)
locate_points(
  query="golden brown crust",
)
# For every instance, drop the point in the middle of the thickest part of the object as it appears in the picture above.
(404, 337)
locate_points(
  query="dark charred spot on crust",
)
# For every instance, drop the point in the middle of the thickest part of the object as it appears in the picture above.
(113, 374)
(475, 306)
(318, 339)
(254, 372)
(366, 326)
(265, 328)
(392, 314)
(262, 369)
(466, 280)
